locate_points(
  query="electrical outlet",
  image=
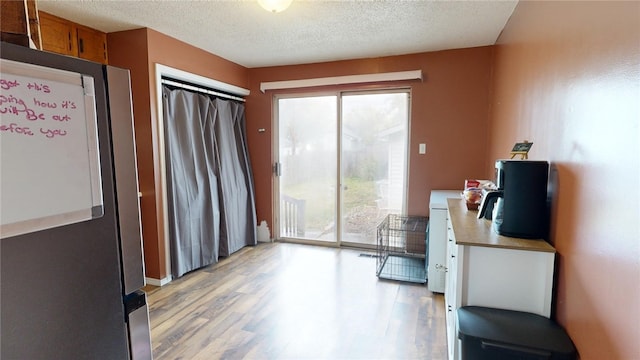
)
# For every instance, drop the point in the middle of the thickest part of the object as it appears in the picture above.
(422, 149)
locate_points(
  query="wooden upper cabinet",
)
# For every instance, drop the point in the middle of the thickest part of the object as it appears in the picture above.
(92, 44)
(19, 23)
(66, 37)
(58, 35)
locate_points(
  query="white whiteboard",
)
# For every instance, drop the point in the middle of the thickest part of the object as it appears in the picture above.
(49, 155)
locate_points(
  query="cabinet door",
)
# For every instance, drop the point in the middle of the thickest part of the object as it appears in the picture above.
(437, 250)
(451, 292)
(450, 315)
(92, 44)
(58, 35)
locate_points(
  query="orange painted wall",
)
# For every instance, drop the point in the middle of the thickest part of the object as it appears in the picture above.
(449, 112)
(139, 50)
(567, 77)
(128, 49)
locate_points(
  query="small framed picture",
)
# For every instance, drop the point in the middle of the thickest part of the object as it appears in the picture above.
(521, 149)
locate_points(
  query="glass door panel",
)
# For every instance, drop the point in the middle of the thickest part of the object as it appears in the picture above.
(374, 156)
(307, 151)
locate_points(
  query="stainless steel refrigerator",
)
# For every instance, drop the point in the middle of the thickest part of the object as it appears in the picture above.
(71, 288)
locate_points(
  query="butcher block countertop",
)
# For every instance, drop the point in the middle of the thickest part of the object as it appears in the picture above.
(469, 230)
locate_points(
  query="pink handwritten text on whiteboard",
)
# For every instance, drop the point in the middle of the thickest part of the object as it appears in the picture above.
(34, 109)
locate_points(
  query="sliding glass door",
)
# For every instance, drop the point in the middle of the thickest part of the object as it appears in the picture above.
(341, 165)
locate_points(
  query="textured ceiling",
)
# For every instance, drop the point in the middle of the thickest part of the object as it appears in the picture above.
(307, 32)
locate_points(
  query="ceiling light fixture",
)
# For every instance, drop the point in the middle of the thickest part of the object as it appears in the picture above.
(275, 6)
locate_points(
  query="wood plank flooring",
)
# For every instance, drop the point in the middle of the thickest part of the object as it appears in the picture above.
(290, 301)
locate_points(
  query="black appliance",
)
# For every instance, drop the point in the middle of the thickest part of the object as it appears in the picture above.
(520, 208)
(497, 334)
(73, 290)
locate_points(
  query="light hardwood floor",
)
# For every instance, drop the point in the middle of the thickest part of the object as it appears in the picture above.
(289, 301)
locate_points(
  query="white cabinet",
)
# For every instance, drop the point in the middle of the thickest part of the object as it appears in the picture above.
(438, 238)
(486, 269)
(453, 289)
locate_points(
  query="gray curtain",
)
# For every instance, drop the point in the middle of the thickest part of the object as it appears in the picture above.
(209, 181)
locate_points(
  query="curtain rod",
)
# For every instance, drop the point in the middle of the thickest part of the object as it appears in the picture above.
(341, 80)
(201, 90)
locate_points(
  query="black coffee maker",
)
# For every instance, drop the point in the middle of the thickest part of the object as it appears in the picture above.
(520, 208)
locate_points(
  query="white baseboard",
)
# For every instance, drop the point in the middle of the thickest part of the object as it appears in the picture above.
(158, 282)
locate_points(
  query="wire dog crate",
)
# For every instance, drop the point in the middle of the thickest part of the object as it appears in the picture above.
(402, 248)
